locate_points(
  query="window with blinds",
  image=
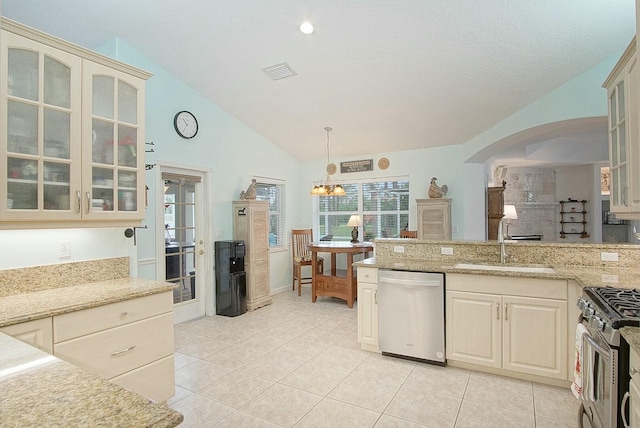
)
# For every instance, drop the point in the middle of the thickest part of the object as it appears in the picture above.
(272, 190)
(382, 204)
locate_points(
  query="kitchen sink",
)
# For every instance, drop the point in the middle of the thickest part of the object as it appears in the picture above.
(505, 268)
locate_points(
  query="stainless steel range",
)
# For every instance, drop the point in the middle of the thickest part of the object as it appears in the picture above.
(605, 354)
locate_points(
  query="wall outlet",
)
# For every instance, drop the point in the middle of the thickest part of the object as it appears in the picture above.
(398, 249)
(446, 250)
(609, 257)
(65, 250)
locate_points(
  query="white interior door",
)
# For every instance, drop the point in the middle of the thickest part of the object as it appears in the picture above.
(183, 249)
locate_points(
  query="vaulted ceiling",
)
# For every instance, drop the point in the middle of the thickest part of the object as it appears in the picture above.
(385, 74)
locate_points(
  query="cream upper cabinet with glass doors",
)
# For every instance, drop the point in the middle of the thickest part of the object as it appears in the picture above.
(623, 94)
(71, 134)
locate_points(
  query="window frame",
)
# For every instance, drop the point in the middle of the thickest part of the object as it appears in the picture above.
(279, 213)
(360, 183)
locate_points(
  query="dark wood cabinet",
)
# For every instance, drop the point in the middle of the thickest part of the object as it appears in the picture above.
(495, 210)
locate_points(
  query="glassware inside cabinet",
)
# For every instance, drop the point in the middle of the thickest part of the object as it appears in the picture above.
(22, 128)
(127, 146)
(102, 189)
(127, 194)
(22, 176)
(102, 147)
(57, 134)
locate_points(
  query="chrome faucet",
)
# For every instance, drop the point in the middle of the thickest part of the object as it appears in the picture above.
(503, 245)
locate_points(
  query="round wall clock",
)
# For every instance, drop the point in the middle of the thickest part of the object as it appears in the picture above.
(186, 124)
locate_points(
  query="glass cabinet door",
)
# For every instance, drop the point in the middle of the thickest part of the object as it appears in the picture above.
(42, 129)
(618, 145)
(115, 136)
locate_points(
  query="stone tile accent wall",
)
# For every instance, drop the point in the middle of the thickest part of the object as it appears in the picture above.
(533, 192)
(25, 280)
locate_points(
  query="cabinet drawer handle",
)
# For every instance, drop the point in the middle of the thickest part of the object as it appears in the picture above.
(506, 306)
(130, 348)
(88, 202)
(79, 201)
(497, 311)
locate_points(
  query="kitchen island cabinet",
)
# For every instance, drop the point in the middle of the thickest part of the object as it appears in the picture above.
(54, 393)
(368, 308)
(119, 329)
(37, 333)
(129, 343)
(514, 324)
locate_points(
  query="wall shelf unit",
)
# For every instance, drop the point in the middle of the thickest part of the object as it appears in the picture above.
(573, 216)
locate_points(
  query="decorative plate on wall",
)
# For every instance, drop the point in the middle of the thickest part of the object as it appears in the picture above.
(383, 163)
(331, 168)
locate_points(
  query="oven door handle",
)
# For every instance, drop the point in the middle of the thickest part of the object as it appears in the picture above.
(597, 347)
(589, 349)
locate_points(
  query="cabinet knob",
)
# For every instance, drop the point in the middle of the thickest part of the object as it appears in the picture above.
(124, 313)
(633, 371)
(201, 252)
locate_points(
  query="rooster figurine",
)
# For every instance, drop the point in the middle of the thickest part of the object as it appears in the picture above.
(436, 191)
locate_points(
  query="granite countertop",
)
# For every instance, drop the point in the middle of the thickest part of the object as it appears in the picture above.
(632, 336)
(45, 303)
(42, 390)
(584, 275)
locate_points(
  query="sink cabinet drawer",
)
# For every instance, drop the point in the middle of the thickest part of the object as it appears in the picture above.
(155, 381)
(118, 350)
(87, 321)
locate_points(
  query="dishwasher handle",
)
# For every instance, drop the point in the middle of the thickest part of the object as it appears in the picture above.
(409, 282)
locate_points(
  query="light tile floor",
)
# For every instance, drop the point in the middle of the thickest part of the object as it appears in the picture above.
(299, 364)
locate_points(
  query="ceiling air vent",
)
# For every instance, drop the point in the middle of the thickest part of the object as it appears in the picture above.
(279, 71)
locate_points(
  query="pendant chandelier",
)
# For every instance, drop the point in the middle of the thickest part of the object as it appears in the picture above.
(328, 188)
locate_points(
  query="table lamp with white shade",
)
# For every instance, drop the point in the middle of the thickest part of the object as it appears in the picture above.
(355, 221)
(510, 213)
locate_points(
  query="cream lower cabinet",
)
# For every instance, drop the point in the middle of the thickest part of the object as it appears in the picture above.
(38, 333)
(368, 308)
(634, 390)
(514, 324)
(130, 343)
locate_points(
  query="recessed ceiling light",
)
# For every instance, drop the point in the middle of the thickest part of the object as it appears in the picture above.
(306, 28)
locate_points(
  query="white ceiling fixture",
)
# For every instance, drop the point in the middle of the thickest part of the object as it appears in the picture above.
(306, 27)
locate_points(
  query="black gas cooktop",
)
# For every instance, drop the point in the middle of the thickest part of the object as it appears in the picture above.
(621, 306)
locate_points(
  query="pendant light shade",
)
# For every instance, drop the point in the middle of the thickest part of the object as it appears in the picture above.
(328, 188)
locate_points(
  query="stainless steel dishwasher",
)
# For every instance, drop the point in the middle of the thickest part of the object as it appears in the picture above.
(411, 315)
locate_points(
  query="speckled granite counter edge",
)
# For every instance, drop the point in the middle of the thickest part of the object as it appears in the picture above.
(55, 393)
(632, 336)
(583, 275)
(24, 307)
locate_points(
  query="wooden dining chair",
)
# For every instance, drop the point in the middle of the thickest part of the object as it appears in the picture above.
(302, 257)
(408, 233)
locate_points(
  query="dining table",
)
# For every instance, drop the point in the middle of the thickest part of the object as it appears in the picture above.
(340, 283)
